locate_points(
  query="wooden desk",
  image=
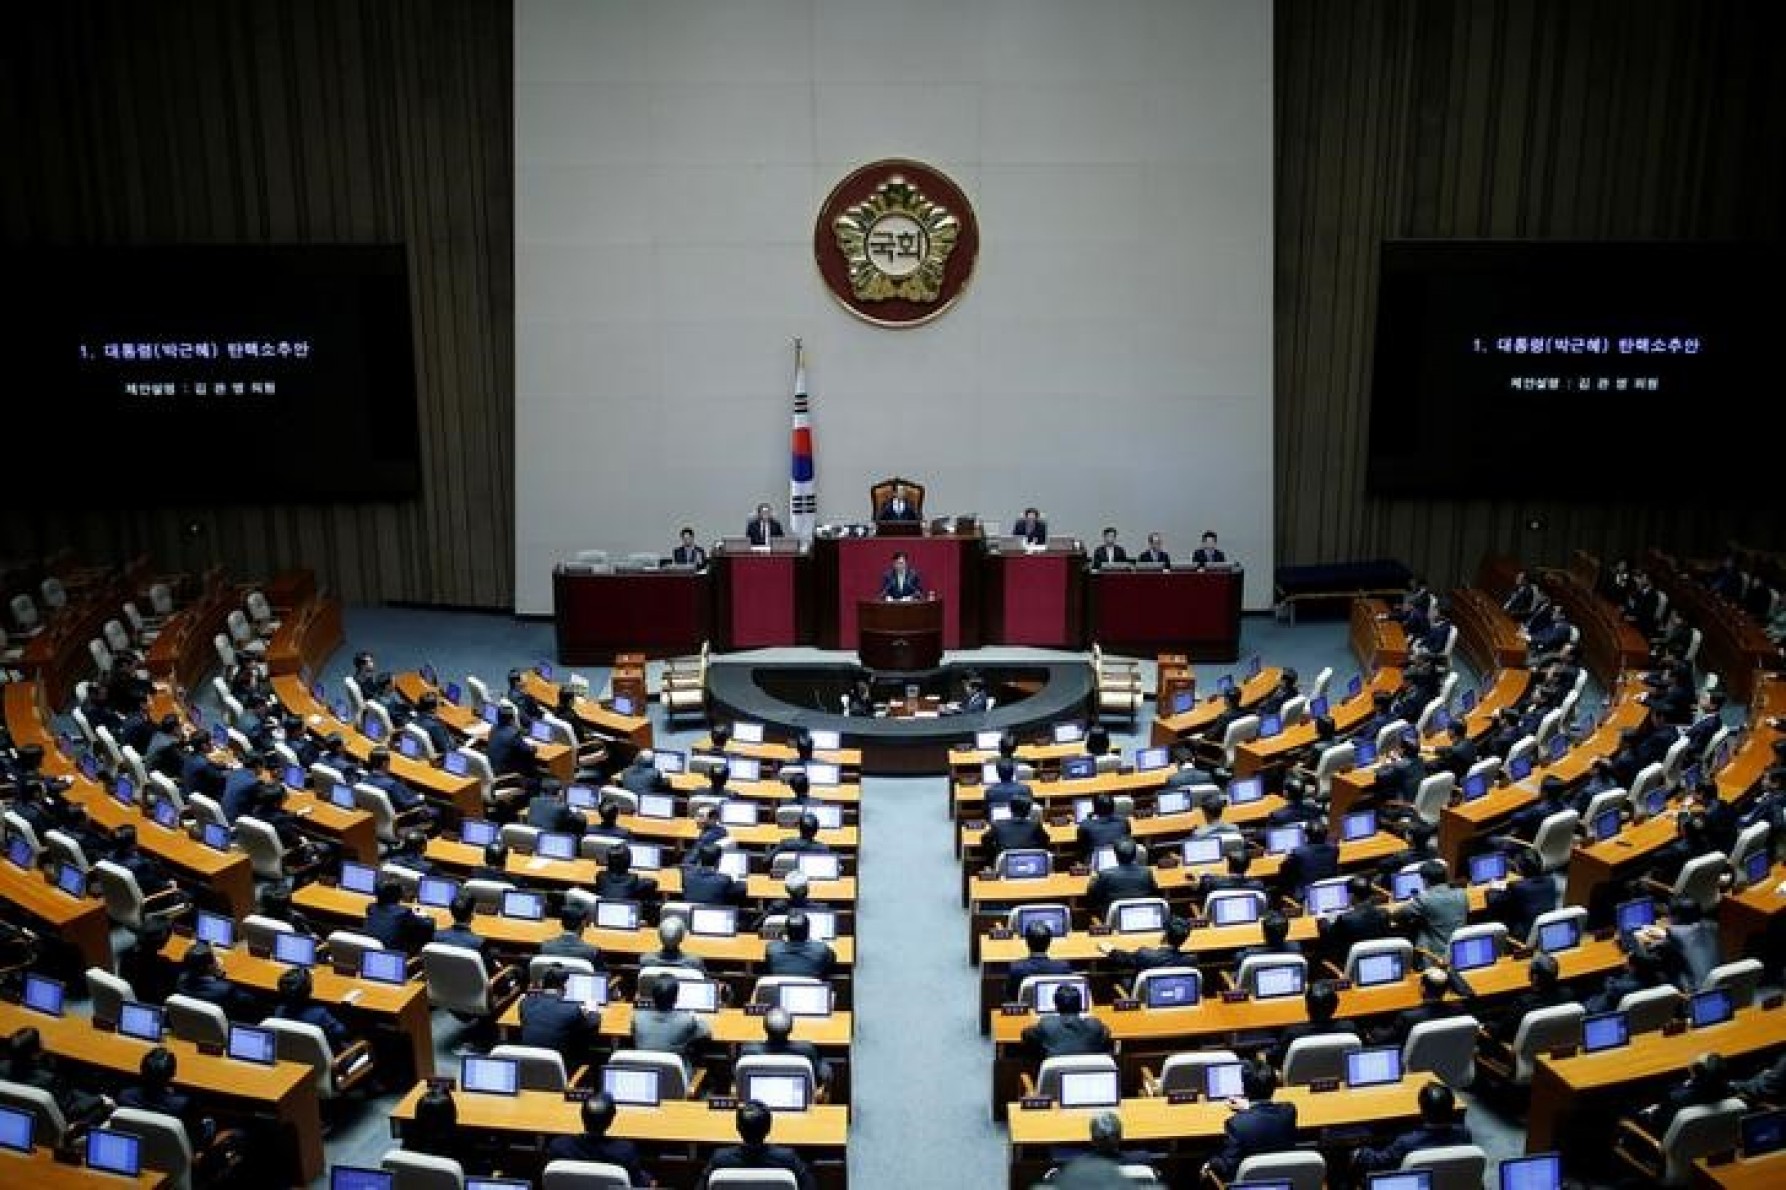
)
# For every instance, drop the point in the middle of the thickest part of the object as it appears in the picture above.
(1033, 597)
(57, 656)
(659, 612)
(1375, 640)
(634, 731)
(775, 753)
(1748, 914)
(1196, 612)
(1169, 729)
(1563, 1087)
(731, 1026)
(284, 1091)
(900, 637)
(399, 1007)
(762, 598)
(1486, 635)
(182, 652)
(848, 573)
(81, 923)
(769, 790)
(1609, 645)
(308, 632)
(39, 1167)
(1731, 642)
(1744, 1173)
(1256, 754)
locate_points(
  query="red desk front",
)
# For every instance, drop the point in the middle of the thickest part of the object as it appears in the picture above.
(661, 613)
(851, 570)
(764, 599)
(1035, 598)
(1189, 611)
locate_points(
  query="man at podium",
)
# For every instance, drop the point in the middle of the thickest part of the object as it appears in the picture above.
(899, 506)
(763, 527)
(901, 583)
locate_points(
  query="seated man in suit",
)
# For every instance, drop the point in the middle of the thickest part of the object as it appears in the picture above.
(754, 1122)
(151, 877)
(671, 933)
(1130, 877)
(397, 927)
(1707, 1082)
(510, 752)
(762, 528)
(1316, 859)
(594, 1143)
(154, 1091)
(1207, 553)
(704, 884)
(551, 1022)
(1238, 863)
(1364, 921)
(898, 506)
(806, 841)
(618, 882)
(1032, 528)
(1067, 1030)
(1108, 550)
(1544, 989)
(642, 775)
(1155, 554)
(687, 552)
(427, 717)
(1458, 753)
(1520, 902)
(570, 944)
(1687, 943)
(142, 965)
(1103, 826)
(1258, 1124)
(1321, 1001)
(1022, 831)
(1007, 787)
(778, 1040)
(799, 953)
(1169, 953)
(460, 934)
(901, 582)
(1440, 1127)
(1435, 912)
(202, 978)
(1274, 930)
(295, 1004)
(1036, 940)
(659, 1025)
(1435, 982)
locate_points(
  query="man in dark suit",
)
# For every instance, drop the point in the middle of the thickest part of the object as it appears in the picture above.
(570, 944)
(1038, 961)
(1321, 1000)
(642, 775)
(1067, 1030)
(1022, 831)
(547, 810)
(1238, 863)
(1032, 528)
(807, 841)
(1705, 724)
(1687, 943)
(799, 953)
(754, 1121)
(198, 772)
(151, 877)
(763, 527)
(397, 927)
(1130, 877)
(1258, 1125)
(460, 933)
(1433, 1006)
(295, 1004)
(618, 882)
(1170, 952)
(1520, 902)
(427, 717)
(594, 1143)
(155, 1092)
(901, 582)
(510, 752)
(1296, 810)
(551, 1022)
(687, 553)
(1439, 1128)
(1544, 989)
(898, 506)
(1207, 554)
(202, 978)
(1155, 554)
(1102, 827)
(1007, 787)
(1400, 774)
(1108, 551)
(1316, 859)
(1364, 921)
(672, 932)
(704, 884)
(242, 787)
(1459, 752)
(1552, 799)
(142, 965)
(1274, 928)
(778, 1032)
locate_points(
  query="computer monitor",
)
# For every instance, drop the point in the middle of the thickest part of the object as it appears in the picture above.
(436, 892)
(359, 878)
(114, 1152)
(826, 740)
(1472, 954)
(1069, 733)
(497, 1184)
(139, 1020)
(989, 773)
(1364, 753)
(1557, 936)
(89, 766)
(1488, 867)
(341, 797)
(1089, 1088)
(215, 929)
(43, 994)
(544, 669)
(1325, 897)
(616, 915)
(1711, 1008)
(1149, 759)
(411, 747)
(1605, 1031)
(456, 763)
(1243, 790)
(489, 1076)
(372, 727)
(383, 966)
(1757, 865)
(555, 845)
(986, 741)
(1655, 801)
(1183, 700)
(1277, 981)
(1318, 707)
(296, 950)
(478, 833)
(738, 812)
(624, 705)
(631, 1085)
(1103, 857)
(1176, 990)
(354, 1177)
(1417, 1179)
(745, 768)
(819, 865)
(1763, 1132)
(164, 814)
(823, 923)
(647, 857)
(1148, 917)
(777, 1091)
(295, 777)
(71, 880)
(250, 1044)
(219, 735)
(1374, 970)
(804, 999)
(1053, 917)
(591, 991)
(1225, 683)
(1044, 989)
(1540, 1171)
(16, 1129)
(1519, 768)
(124, 791)
(521, 905)
(1559, 744)
(735, 864)
(489, 713)
(1361, 824)
(823, 774)
(829, 814)
(1025, 865)
(713, 921)
(669, 762)
(540, 732)
(697, 995)
(1172, 801)
(18, 852)
(1374, 1067)
(1233, 911)
(1221, 1080)
(1636, 914)
(1255, 665)
(745, 732)
(1270, 725)
(1440, 721)
(1354, 685)
(1404, 885)
(1077, 768)
(1282, 840)
(1606, 824)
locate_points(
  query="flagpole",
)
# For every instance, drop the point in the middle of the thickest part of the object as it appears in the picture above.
(802, 483)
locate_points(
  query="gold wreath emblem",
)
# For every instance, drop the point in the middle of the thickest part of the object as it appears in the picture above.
(897, 242)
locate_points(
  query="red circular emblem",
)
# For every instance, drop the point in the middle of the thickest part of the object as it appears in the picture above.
(896, 243)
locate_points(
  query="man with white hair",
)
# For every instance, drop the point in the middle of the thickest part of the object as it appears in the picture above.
(641, 776)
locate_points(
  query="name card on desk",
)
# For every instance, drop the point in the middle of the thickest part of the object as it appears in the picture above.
(1180, 1098)
(1035, 1103)
(578, 1094)
(1670, 1028)
(722, 1103)
(1099, 931)
(1772, 1002)
(1341, 985)
(1013, 1010)
(1079, 870)
(210, 1049)
(1721, 1157)
(757, 1009)
(1323, 1084)
(1558, 1053)
(1234, 996)
(1126, 1005)
(441, 1083)
(999, 933)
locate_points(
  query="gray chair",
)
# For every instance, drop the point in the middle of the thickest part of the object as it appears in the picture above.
(1444, 1048)
(1319, 1057)
(52, 1125)
(1453, 1167)
(197, 1021)
(583, 1175)
(418, 1171)
(165, 1147)
(1302, 1168)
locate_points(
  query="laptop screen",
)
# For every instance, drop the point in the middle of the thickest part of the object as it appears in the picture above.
(1634, 914)
(617, 915)
(1488, 867)
(735, 864)
(436, 892)
(124, 791)
(1763, 1132)
(823, 923)
(165, 813)
(738, 812)
(1149, 759)
(804, 999)
(358, 878)
(114, 1152)
(1075, 768)
(540, 731)
(1559, 935)
(829, 814)
(823, 773)
(341, 796)
(18, 852)
(409, 746)
(43, 994)
(819, 865)
(297, 950)
(747, 733)
(555, 845)
(1542, 1171)
(1377, 969)
(1470, 954)
(1270, 725)
(1053, 917)
(745, 768)
(372, 727)
(1361, 825)
(71, 880)
(489, 1076)
(1281, 840)
(1221, 1080)
(141, 1021)
(456, 764)
(1606, 824)
(1441, 719)
(295, 777)
(1373, 1067)
(1318, 707)
(985, 741)
(477, 832)
(544, 669)
(697, 995)
(624, 705)
(1711, 1008)
(1242, 790)
(1756, 866)
(16, 1128)
(1559, 744)
(1089, 1088)
(591, 991)
(777, 1091)
(1173, 801)
(1182, 700)
(350, 1177)
(214, 928)
(1284, 979)
(669, 763)
(1102, 858)
(1354, 685)
(1327, 896)
(647, 857)
(383, 966)
(1519, 768)
(1044, 989)
(1418, 1179)
(1404, 885)
(1173, 991)
(1229, 911)
(632, 1086)
(523, 906)
(1255, 665)
(1148, 917)
(219, 735)
(1364, 752)
(1608, 1030)
(989, 773)
(824, 740)
(713, 921)
(489, 713)
(1069, 733)
(248, 1044)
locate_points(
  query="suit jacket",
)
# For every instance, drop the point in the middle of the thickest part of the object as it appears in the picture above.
(643, 778)
(626, 886)
(821, 1069)
(1097, 832)
(1390, 1156)
(398, 928)
(1361, 923)
(547, 813)
(237, 1004)
(553, 1023)
(708, 886)
(1106, 554)
(759, 532)
(1268, 1127)
(1207, 557)
(168, 1102)
(1520, 903)
(1000, 793)
(689, 555)
(894, 587)
(510, 752)
(1150, 957)
(1056, 1035)
(1033, 531)
(608, 1149)
(764, 1156)
(812, 957)
(1123, 880)
(1033, 964)
(1154, 556)
(681, 958)
(673, 1032)
(904, 511)
(322, 1018)
(1435, 914)
(1457, 758)
(461, 937)
(1693, 950)
(240, 789)
(1309, 863)
(570, 946)
(1013, 834)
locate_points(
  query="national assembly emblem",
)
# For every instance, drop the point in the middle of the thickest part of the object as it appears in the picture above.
(896, 243)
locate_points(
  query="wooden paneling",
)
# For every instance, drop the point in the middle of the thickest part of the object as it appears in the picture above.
(263, 121)
(1591, 119)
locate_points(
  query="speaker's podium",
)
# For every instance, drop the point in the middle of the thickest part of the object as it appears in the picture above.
(899, 637)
